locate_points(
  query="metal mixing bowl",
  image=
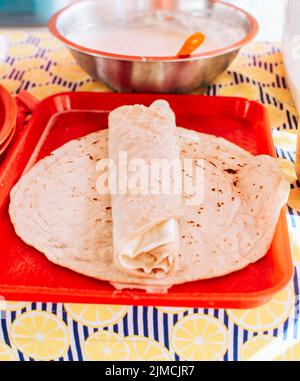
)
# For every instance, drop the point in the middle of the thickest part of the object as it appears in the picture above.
(150, 74)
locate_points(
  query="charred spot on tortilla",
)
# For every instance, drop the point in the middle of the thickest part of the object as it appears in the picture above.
(211, 163)
(231, 171)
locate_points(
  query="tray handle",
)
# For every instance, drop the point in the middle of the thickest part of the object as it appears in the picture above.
(26, 104)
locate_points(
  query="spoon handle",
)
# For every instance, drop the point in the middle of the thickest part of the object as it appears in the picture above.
(191, 44)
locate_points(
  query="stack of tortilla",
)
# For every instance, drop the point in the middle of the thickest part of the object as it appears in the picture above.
(149, 241)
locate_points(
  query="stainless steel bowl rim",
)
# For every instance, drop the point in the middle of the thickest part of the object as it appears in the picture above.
(97, 53)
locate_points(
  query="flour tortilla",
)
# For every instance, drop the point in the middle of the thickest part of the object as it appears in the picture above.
(56, 209)
(145, 226)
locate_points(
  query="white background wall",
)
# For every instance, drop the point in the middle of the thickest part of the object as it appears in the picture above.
(269, 14)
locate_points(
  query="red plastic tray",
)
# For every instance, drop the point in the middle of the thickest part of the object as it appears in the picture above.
(27, 275)
(8, 115)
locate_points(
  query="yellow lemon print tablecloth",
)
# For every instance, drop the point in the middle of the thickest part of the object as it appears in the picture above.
(49, 331)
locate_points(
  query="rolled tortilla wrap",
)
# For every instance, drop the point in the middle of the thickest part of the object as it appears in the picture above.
(145, 225)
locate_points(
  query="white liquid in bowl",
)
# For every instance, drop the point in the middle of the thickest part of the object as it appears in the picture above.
(157, 37)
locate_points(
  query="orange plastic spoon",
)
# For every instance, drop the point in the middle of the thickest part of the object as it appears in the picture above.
(191, 44)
